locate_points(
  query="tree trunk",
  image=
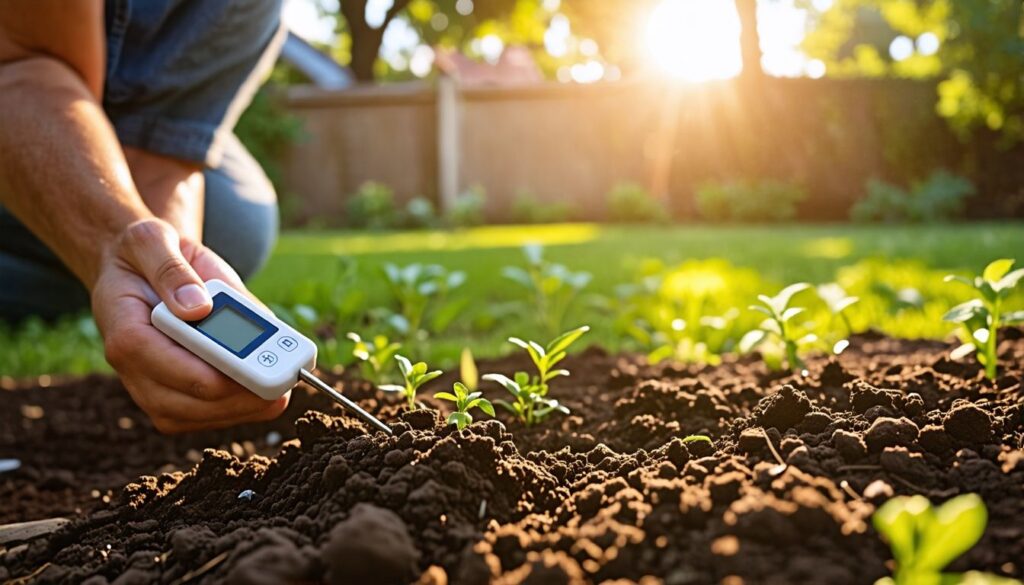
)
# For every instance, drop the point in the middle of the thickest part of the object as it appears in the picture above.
(365, 47)
(750, 40)
(366, 40)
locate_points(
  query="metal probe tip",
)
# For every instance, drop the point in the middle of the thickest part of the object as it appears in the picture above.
(320, 385)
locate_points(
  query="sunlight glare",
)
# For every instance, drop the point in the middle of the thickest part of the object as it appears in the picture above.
(695, 40)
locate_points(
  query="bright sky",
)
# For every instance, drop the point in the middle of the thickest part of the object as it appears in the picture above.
(690, 39)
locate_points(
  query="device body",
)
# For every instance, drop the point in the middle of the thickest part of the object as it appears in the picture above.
(244, 341)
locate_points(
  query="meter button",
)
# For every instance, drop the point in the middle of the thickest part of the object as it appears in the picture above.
(268, 358)
(287, 343)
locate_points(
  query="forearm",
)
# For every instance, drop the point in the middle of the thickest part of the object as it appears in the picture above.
(171, 189)
(62, 169)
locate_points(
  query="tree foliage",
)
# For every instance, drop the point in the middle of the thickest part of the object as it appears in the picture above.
(977, 62)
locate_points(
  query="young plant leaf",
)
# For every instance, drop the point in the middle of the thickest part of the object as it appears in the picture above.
(956, 527)
(507, 406)
(751, 340)
(771, 326)
(563, 341)
(534, 253)
(505, 382)
(1009, 281)
(460, 419)
(964, 311)
(781, 300)
(484, 405)
(960, 279)
(996, 270)
(896, 520)
(790, 313)
(1013, 317)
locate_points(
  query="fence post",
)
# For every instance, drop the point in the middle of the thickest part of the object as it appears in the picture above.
(447, 142)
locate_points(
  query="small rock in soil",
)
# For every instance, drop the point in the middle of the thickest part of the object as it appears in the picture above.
(878, 491)
(864, 396)
(784, 409)
(913, 404)
(849, 445)
(935, 440)
(752, 440)
(276, 559)
(834, 375)
(815, 422)
(901, 462)
(890, 432)
(968, 424)
(372, 545)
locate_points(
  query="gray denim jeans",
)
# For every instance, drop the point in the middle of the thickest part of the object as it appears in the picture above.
(178, 75)
(241, 224)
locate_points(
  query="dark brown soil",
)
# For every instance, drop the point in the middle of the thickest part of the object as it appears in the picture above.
(784, 495)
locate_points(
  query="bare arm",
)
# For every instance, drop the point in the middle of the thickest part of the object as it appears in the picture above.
(59, 158)
(171, 189)
(64, 174)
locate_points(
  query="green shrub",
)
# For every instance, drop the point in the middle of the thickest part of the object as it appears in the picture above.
(749, 201)
(267, 130)
(528, 209)
(631, 203)
(372, 207)
(420, 213)
(941, 197)
(468, 209)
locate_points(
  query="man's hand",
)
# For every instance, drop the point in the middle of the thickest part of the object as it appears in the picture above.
(179, 391)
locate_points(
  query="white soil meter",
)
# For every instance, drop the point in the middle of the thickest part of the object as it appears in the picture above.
(251, 346)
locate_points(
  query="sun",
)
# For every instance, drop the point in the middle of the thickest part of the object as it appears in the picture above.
(695, 40)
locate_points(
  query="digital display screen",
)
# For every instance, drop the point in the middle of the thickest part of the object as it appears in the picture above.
(231, 328)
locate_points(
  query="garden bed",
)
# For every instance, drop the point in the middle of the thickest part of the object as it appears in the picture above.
(783, 495)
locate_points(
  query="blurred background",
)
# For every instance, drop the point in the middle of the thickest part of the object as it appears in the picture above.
(657, 164)
(401, 113)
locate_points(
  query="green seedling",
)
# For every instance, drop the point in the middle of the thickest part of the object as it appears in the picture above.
(779, 324)
(420, 289)
(837, 301)
(545, 358)
(374, 355)
(981, 318)
(465, 400)
(528, 405)
(531, 404)
(415, 375)
(552, 287)
(925, 539)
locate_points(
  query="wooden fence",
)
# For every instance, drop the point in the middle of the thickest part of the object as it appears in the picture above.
(573, 143)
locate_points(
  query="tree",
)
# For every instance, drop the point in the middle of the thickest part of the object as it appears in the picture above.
(612, 24)
(977, 59)
(365, 38)
(438, 22)
(750, 39)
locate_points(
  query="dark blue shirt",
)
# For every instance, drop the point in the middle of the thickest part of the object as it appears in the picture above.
(180, 72)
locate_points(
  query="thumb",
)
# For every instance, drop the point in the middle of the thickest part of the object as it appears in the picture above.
(153, 248)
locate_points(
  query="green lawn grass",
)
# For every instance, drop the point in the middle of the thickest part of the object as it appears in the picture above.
(613, 254)
(780, 253)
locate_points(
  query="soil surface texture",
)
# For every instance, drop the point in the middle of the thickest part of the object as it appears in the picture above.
(611, 493)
